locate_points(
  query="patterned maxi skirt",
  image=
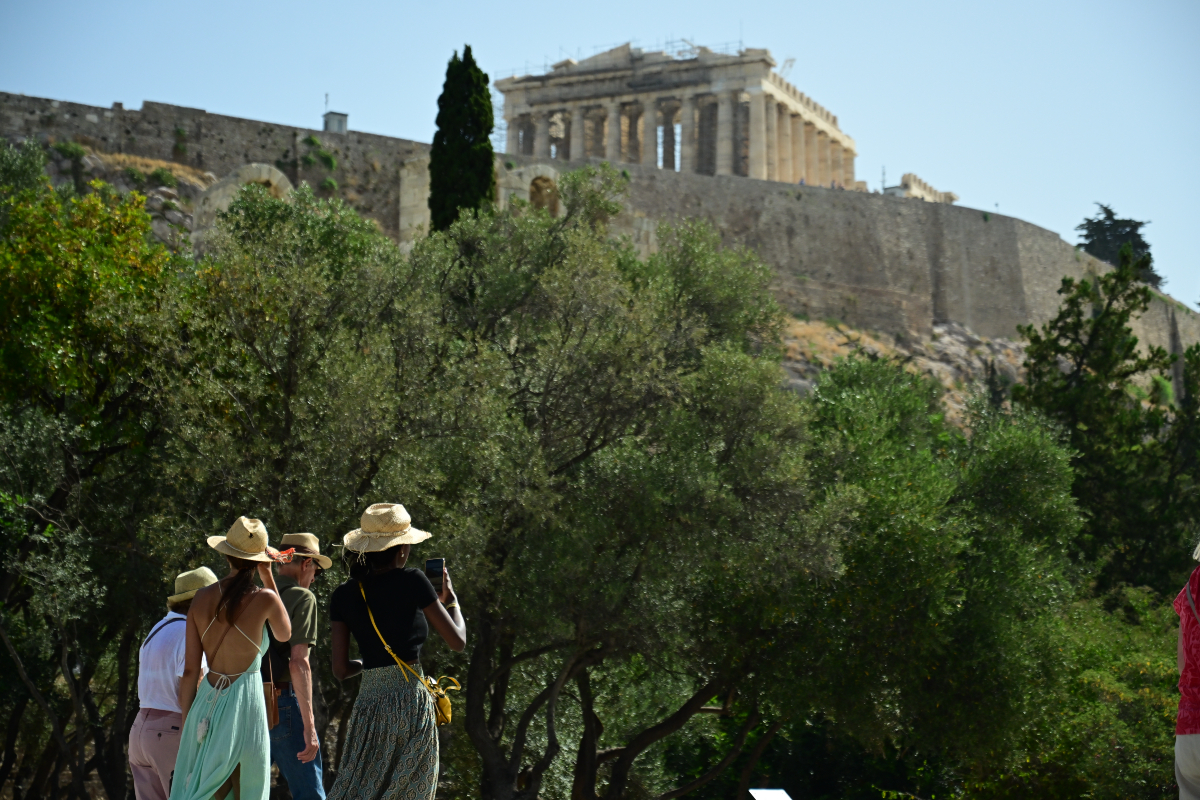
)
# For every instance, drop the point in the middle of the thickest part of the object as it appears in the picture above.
(391, 750)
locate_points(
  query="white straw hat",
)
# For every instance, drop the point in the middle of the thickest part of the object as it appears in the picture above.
(190, 582)
(384, 525)
(247, 538)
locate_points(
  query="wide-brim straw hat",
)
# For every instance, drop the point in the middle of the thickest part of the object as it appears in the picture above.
(247, 538)
(190, 582)
(306, 544)
(384, 525)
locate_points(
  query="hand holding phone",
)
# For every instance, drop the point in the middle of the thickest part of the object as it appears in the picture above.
(435, 569)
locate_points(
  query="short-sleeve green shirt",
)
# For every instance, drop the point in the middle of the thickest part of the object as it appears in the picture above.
(301, 605)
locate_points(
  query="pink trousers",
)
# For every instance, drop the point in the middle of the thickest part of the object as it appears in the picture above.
(153, 746)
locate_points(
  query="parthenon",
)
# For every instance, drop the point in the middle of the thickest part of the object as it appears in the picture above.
(698, 111)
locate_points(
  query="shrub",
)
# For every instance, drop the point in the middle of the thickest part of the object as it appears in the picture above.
(307, 160)
(312, 141)
(327, 158)
(163, 177)
(329, 185)
(70, 150)
(135, 176)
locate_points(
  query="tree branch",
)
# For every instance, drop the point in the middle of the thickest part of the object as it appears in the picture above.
(734, 750)
(755, 755)
(620, 771)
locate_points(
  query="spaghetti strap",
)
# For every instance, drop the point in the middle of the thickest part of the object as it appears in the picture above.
(248, 639)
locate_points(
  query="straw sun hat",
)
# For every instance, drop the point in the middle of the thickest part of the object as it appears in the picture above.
(247, 538)
(384, 525)
(305, 544)
(188, 583)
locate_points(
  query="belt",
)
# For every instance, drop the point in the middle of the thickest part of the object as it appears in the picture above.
(284, 688)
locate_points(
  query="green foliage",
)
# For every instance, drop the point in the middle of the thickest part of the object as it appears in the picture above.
(329, 185)
(308, 160)
(163, 177)
(78, 284)
(312, 141)
(135, 176)
(69, 150)
(327, 160)
(460, 162)
(21, 168)
(1135, 464)
(640, 521)
(1105, 235)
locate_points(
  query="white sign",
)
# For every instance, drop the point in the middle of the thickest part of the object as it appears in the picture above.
(769, 794)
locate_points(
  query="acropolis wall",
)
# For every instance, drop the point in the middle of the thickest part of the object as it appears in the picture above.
(705, 113)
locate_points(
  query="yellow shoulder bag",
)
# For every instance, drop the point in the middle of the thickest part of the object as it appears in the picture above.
(436, 686)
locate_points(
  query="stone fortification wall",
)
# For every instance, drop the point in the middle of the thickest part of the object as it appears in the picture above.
(367, 165)
(882, 263)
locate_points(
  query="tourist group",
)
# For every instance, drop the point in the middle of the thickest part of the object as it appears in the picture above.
(229, 691)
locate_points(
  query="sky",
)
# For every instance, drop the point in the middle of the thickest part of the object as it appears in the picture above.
(1036, 110)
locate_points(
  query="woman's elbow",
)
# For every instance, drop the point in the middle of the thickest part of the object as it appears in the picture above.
(458, 643)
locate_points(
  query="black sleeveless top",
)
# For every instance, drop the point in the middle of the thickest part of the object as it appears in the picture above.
(397, 598)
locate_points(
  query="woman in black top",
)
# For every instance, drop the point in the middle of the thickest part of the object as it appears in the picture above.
(391, 749)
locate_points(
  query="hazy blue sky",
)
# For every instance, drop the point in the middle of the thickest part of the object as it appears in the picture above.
(1037, 108)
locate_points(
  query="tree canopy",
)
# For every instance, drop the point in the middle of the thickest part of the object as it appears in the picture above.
(678, 575)
(1105, 234)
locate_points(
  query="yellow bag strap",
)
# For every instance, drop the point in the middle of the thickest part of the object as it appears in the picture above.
(401, 663)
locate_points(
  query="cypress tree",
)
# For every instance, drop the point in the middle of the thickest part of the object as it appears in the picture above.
(460, 163)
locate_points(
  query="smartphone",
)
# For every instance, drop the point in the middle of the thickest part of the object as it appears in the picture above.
(434, 569)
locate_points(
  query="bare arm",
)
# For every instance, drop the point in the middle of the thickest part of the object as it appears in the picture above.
(277, 616)
(189, 682)
(301, 672)
(449, 624)
(342, 666)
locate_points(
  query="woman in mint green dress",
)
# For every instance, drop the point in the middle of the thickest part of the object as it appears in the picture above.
(224, 748)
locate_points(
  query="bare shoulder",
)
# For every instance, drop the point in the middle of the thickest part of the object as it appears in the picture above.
(206, 599)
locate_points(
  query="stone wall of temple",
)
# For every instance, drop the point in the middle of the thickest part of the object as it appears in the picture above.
(366, 164)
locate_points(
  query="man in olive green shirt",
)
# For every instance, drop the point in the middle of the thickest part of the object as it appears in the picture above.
(294, 744)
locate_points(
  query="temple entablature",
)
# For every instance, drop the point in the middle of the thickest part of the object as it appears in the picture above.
(698, 111)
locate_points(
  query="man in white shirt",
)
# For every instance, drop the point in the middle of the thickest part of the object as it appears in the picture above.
(154, 737)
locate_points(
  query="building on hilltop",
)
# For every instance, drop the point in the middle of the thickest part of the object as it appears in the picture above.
(698, 111)
(914, 187)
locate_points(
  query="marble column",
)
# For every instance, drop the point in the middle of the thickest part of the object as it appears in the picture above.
(612, 133)
(758, 136)
(725, 106)
(823, 176)
(513, 135)
(668, 136)
(812, 175)
(783, 161)
(848, 168)
(649, 138)
(771, 118)
(798, 149)
(835, 163)
(541, 134)
(577, 150)
(687, 132)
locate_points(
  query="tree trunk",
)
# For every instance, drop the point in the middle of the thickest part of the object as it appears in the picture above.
(10, 741)
(755, 755)
(587, 759)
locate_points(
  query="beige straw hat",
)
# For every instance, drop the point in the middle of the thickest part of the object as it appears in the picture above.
(305, 544)
(384, 525)
(247, 538)
(190, 582)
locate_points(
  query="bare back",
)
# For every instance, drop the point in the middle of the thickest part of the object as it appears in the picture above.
(241, 642)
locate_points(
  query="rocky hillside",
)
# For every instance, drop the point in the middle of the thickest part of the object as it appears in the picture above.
(171, 190)
(955, 357)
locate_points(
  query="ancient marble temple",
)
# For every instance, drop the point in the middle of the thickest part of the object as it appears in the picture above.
(697, 111)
